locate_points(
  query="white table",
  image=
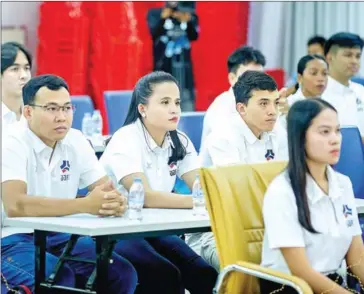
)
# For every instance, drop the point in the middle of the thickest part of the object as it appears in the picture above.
(156, 222)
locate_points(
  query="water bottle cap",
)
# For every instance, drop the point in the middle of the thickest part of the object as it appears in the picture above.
(97, 111)
(137, 180)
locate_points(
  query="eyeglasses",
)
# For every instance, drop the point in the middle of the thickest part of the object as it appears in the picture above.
(54, 109)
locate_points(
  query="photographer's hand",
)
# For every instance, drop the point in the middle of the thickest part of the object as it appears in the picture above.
(166, 12)
(182, 16)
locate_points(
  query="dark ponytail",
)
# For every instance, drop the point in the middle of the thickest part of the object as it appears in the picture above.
(299, 119)
(179, 150)
(142, 91)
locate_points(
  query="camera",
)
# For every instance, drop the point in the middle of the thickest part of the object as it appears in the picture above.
(187, 6)
(182, 6)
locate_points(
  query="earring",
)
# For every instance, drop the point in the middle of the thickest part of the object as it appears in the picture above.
(143, 114)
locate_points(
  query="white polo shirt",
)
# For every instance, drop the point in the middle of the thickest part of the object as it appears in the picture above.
(25, 158)
(132, 150)
(295, 97)
(219, 111)
(334, 216)
(348, 101)
(8, 118)
(234, 142)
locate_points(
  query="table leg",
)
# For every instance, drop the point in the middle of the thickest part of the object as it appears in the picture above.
(102, 264)
(40, 239)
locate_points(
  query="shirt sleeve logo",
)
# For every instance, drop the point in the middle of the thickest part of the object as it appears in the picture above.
(348, 213)
(359, 104)
(65, 169)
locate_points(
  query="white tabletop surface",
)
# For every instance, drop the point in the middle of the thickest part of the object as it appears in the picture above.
(360, 205)
(85, 224)
(153, 220)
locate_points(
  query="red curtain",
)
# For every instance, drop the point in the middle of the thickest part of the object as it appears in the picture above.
(100, 46)
(223, 28)
(63, 34)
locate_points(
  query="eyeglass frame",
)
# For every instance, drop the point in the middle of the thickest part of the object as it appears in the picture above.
(44, 107)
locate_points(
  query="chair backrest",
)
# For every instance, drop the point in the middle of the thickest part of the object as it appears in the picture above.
(359, 80)
(191, 123)
(83, 104)
(351, 161)
(234, 196)
(117, 106)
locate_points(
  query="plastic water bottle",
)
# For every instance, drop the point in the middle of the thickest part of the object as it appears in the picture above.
(136, 200)
(97, 123)
(87, 126)
(199, 205)
(125, 193)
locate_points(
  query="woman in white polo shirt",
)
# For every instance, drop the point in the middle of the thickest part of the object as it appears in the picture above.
(310, 217)
(149, 146)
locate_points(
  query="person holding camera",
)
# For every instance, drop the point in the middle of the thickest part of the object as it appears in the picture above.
(172, 29)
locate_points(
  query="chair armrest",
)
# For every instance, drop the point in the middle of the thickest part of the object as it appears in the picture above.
(263, 273)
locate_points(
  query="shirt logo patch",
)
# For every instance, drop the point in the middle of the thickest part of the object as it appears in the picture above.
(359, 105)
(269, 155)
(348, 213)
(65, 168)
(172, 169)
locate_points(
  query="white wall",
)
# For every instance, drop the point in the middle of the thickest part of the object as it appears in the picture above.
(23, 14)
(281, 29)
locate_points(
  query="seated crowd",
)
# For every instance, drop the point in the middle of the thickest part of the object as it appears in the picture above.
(306, 233)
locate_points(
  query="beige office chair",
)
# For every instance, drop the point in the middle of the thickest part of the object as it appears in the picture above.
(234, 196)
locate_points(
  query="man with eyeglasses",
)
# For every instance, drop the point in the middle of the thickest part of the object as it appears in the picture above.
(43, 166)
(16, 63)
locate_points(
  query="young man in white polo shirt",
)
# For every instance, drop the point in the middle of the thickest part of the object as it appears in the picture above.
(248, 137)
(343, 53)
(242, 59)
(43, 165)
(16, 63)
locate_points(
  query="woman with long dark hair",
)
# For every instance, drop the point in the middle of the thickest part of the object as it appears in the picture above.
(150, 147)
(310, 217)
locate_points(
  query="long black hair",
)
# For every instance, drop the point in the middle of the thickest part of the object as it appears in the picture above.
(302, 64)
(299, 119)
(142, 91)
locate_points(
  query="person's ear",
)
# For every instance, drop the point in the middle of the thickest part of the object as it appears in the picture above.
(141, 109)
(329, 57)
(241, 108)
(28, 112)
(232, 78)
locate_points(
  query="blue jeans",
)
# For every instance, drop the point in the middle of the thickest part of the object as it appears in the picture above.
(167, 265)
(18, 262)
